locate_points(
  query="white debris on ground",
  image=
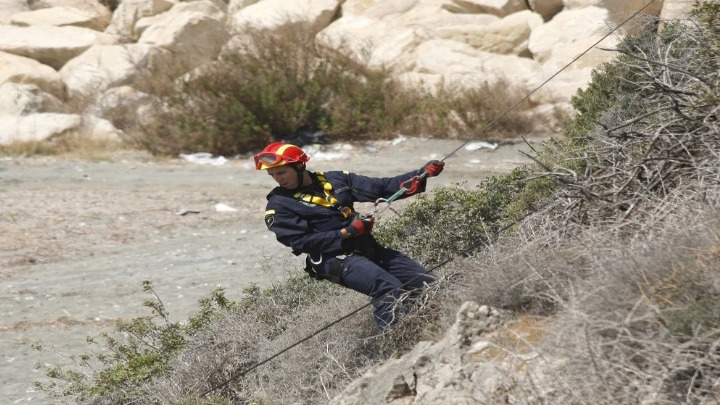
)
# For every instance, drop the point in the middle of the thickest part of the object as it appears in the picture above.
(480, 145)
(204, 158)
(220, 207)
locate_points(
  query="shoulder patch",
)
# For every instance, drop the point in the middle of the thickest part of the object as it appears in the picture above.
(269, 218)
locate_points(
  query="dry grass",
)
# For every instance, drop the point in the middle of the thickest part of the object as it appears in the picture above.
(70, 145)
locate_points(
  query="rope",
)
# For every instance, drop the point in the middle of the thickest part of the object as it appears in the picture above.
(403, 190)
(516, 105)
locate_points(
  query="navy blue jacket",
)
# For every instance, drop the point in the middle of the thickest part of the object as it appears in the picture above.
(315, 229)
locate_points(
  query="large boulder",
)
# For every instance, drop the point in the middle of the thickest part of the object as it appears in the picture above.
(557, 42)
(105, 66)
(36, 127)
(22, 70)
(236, 5)
(131, 108)
(546, 8)
(434, 17)
(8, 8)
(93, 18)
(458, 369)
(191, 37)
(52, 46)
(356, 7)
(470, 67)
(378, 9)
(22, 99)
(508, 35)
(379, 43)
(619, 9)
(273, 14)
(129, 12)
(204, 7)
(499, 8)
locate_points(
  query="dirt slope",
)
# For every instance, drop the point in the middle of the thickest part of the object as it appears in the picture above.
(79, 237)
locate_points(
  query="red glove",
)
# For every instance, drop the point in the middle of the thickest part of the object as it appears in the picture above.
(434, 167)
(360, 226)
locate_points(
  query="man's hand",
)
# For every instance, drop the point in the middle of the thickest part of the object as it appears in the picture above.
(433, 168)
(360, 227)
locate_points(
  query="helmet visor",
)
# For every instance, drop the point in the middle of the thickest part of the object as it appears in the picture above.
(266, 159)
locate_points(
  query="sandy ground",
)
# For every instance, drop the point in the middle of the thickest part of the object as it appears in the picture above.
(77, 239)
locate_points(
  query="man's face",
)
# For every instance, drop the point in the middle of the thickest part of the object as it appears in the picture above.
(285, 176)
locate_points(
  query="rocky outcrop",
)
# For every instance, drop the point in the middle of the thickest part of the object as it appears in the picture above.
(48, 44)
(74, 51)
(478, 361)
(22, 70)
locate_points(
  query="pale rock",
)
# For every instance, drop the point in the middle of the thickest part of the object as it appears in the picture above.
(563, 86)
(62, 16)
(436, 372)
(236, 5)
(435, 18)
(272, 14)
(548, 118)
(619, 9)
(8, 8)
(36, 127)
(99, 129)
(576, 4)
(192, 37)
(557, 42)
(508, 35)
(500, 8)
(94, 6)
(105, 66)
(546, 8)
(379, 43)
(130, 11)
(356, 7)
(47, 44)
(204, 7)
(676, 9)
(125, 103)
(425, 82)
(469, 67)
(23, 99)
(22, 70)
(383, 9)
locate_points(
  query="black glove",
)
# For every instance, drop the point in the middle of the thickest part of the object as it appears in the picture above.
(360, 226)
(310, 270)
(433, 168)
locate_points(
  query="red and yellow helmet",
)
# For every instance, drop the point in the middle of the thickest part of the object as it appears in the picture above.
(279, 154)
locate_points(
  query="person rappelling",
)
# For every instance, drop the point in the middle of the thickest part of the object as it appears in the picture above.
(313, 213)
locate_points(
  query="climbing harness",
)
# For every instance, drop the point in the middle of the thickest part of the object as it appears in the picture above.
(329, 201)
(412, 184)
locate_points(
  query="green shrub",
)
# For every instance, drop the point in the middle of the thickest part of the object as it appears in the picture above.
(453, 219)
(138, 351)
(278, 83)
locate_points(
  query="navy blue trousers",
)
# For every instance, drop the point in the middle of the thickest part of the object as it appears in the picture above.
(383, 279)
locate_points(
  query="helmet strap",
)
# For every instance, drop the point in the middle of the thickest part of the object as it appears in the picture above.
(300, 170)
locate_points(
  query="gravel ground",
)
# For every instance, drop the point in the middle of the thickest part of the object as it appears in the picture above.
(79, 237)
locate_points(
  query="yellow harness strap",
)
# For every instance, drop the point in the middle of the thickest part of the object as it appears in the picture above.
(329, 201)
